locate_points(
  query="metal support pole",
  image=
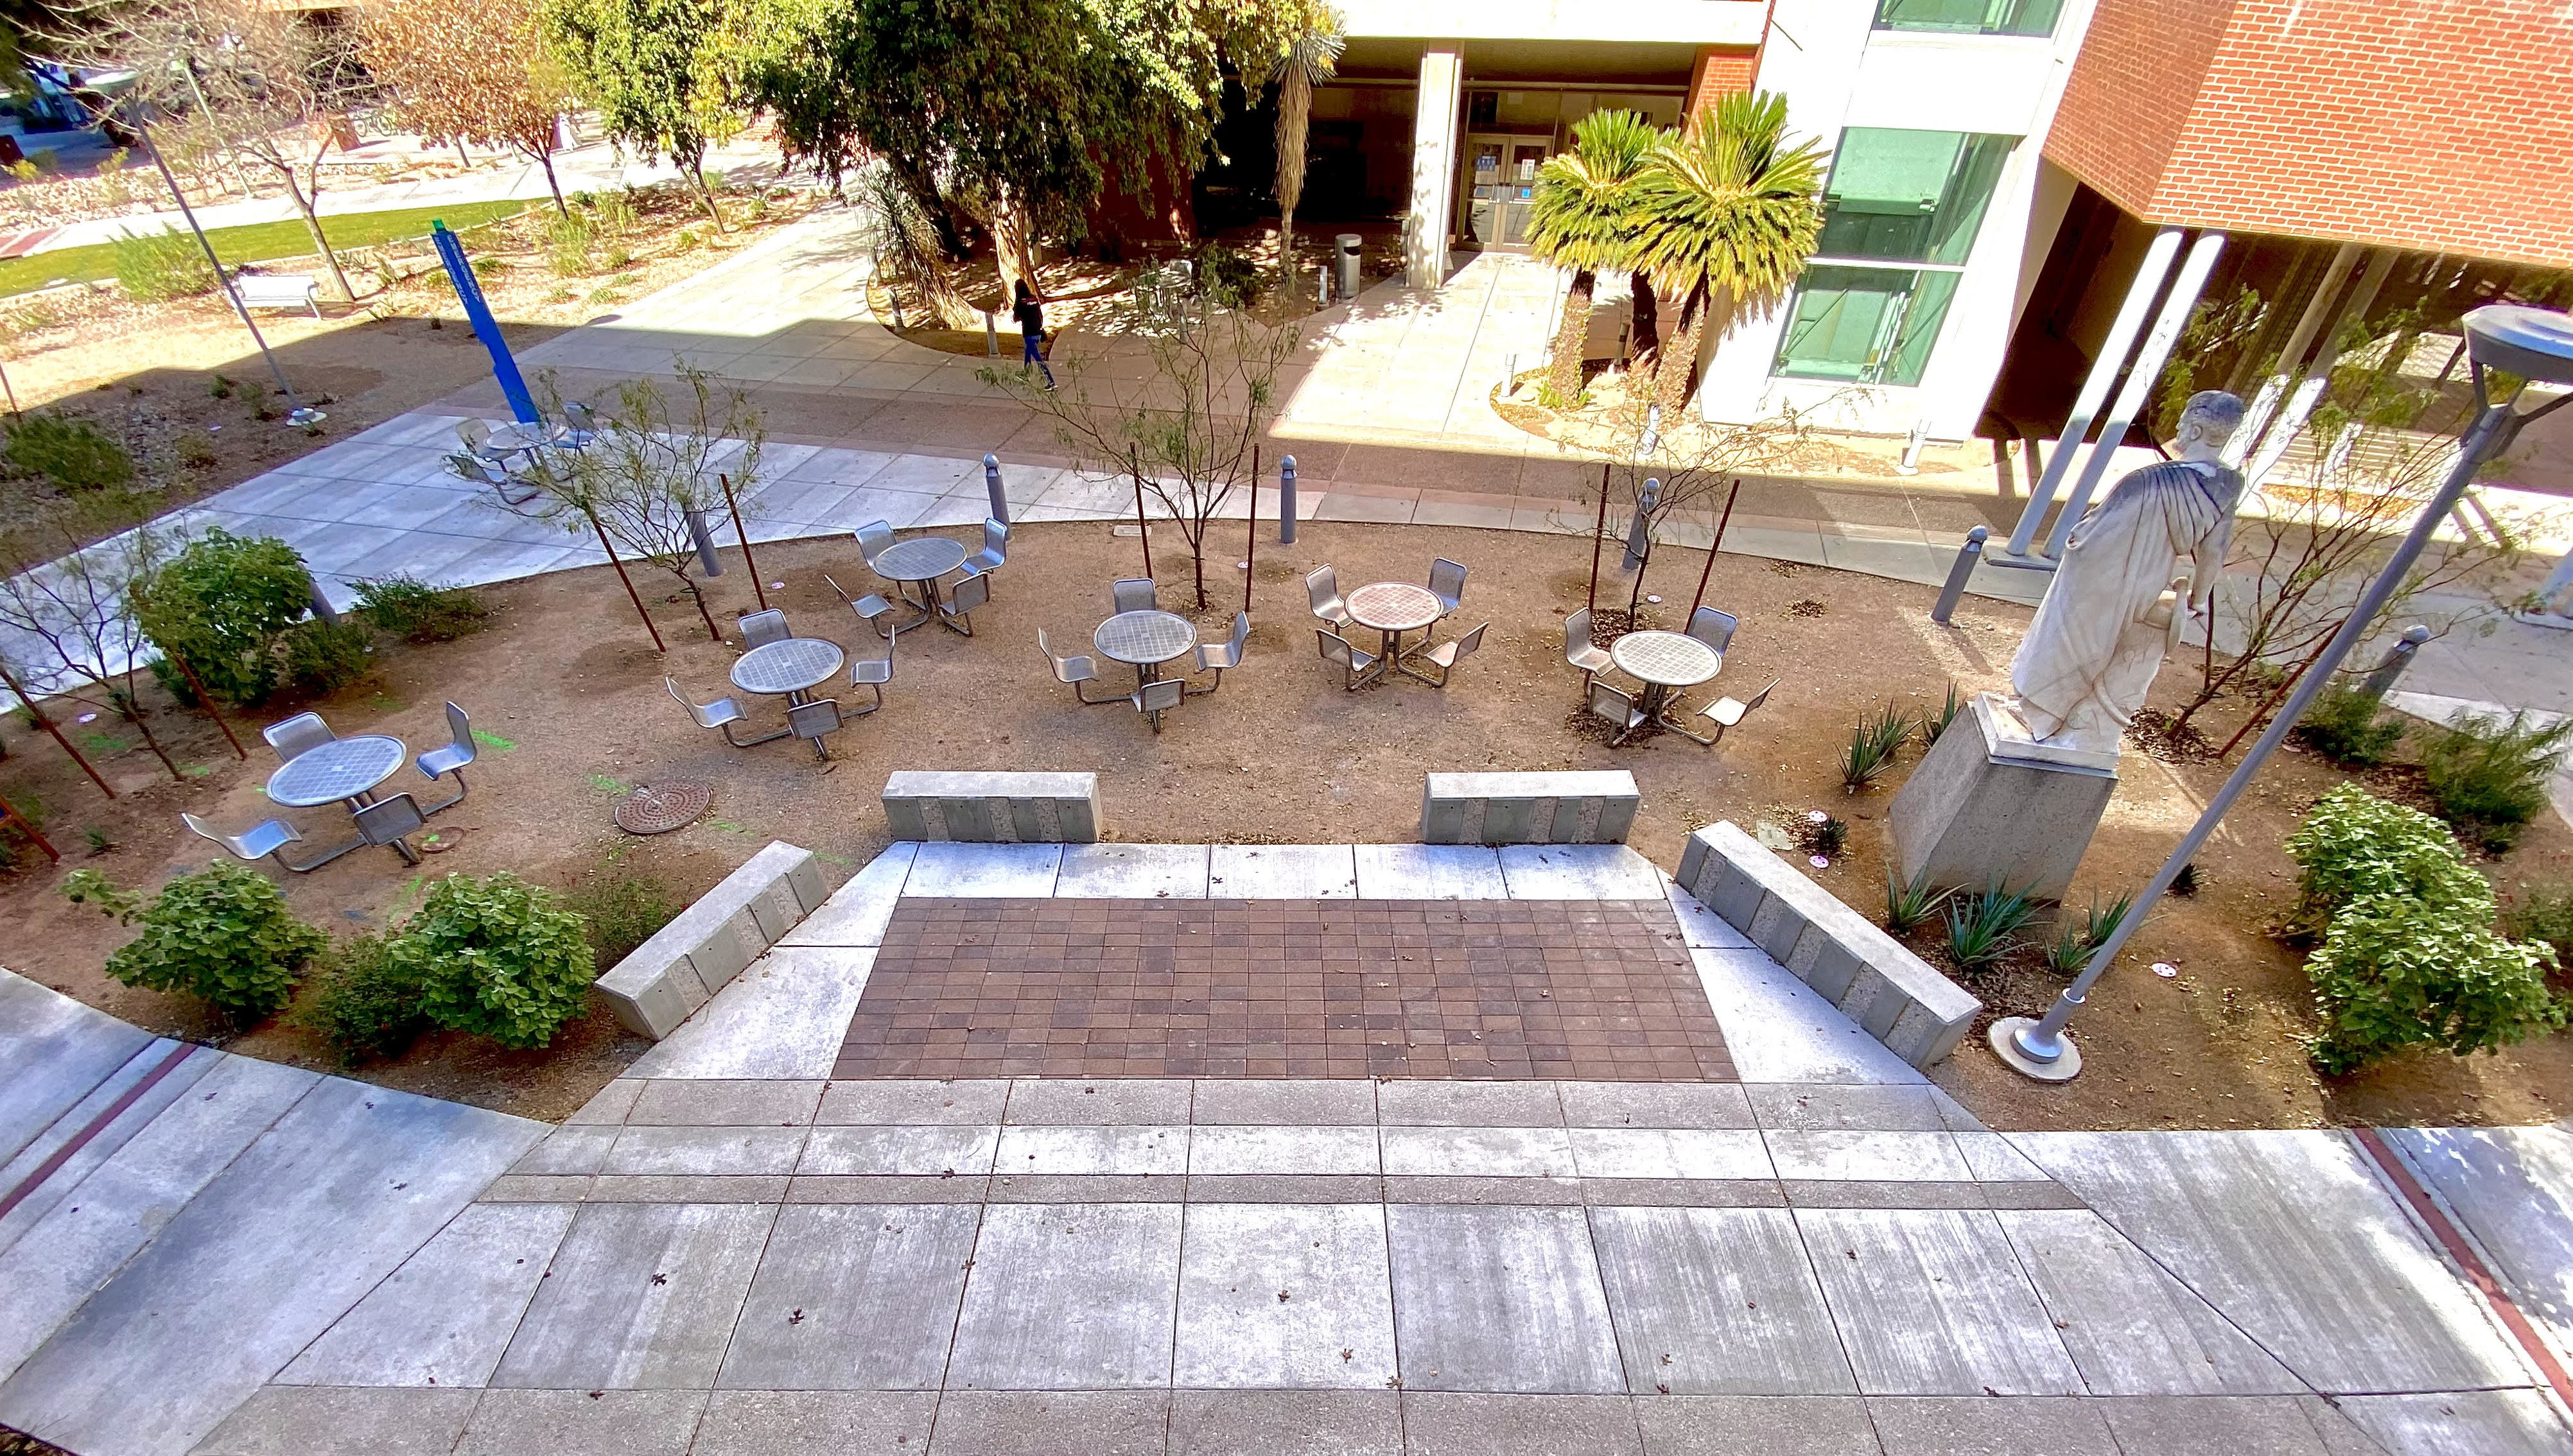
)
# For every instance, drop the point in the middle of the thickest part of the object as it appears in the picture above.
(300, 412)
(2382, 680)
(2095, 389)
(998, 499)
(741, 531)
(1287, 500)
(2309, 322)
(1250, 531)
(1598, 538)
(2040, 1049)
(2140, 384)
(2554, 597)
(2309, 389)
(46, 721)
(319, 601)
(1143, 527)
(704, 537)
(206, 700)
(632, 594)
(1966, 555)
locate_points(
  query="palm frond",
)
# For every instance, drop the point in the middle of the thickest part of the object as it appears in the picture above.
(1582, 213)
(1727, 205)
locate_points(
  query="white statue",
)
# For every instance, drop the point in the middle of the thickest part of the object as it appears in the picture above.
(2155, 545)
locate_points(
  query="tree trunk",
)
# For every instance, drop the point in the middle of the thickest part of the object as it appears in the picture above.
(546, 159)
(133, 713)
(1014, 247)
(695, 163)
(321, 243)
(1671, 377)
(1287, 245)
(1563, 369)
(1644, 339)
(699, 598)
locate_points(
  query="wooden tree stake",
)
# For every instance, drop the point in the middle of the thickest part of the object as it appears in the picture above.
(1714, 546)
(740, 530)
(206, 700)
(27, 827)
(45, 720)
(1250, 540)
(1598, 533)
(632, 594)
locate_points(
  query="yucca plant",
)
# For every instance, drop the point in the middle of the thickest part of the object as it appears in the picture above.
(1909, 906)
(1984, 928)
(1873, 745)
(1934, 721)
(1308, 56)
(2074, 948)
(1580, 219)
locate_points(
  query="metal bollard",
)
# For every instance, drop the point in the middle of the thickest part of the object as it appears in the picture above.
(322, 611)
(2380, 680)
(1286, 500)
(991, 488)
(1639, 532)
(705, 539)
(1966, 555)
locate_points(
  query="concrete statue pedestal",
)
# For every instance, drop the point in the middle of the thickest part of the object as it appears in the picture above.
(1990, 805)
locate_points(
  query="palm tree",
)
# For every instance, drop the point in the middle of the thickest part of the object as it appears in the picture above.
(1310, 56)
(1726, 216)
(1580, 219)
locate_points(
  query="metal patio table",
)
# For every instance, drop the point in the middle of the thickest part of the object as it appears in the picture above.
(790, 668)
(1144, 639)
(341, 771)
(1391, 608)
(923, 560)
(1665, 662)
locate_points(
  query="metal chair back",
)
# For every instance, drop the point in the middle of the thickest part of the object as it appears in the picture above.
(1578, 650)
(1159, 696)
(1609, 702)
(761, 628)
(995, 539)
(475, 433)
(1337, 649)
(964, 597)
(711, 715)
(1133, 594)
(1713, 628)
(1323, 590)
(1756, 700)
(1448, 583)
(451, 758)
(1465, 646)
(583, 424)
(812, 719)
(295, 735)
(873, 537)
(387, 820)
(1073, 671)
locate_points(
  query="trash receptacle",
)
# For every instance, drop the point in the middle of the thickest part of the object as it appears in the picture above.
(1347, 280)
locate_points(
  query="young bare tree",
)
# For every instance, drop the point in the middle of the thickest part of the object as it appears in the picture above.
(1696, 466)
(65, 604)
(1186, 432)
(476, 73)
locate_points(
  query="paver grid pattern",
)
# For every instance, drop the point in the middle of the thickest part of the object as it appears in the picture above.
(1511, 989)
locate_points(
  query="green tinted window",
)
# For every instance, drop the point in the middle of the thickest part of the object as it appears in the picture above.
(1970, 17)
(1914, 196)
(1866, 325)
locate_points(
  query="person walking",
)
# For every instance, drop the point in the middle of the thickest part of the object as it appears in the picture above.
(1032, 335)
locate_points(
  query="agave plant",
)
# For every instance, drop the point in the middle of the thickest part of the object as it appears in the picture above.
(1873, 745)
(1984, 928)
(1580, 219)
(1909, 906)
(2074, 948)
(1934, 721)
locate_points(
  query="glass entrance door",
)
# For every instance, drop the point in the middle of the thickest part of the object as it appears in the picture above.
(1500, 183)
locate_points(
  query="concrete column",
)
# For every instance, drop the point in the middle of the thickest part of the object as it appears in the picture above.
(2309, 389)
(2141, 293)
(1434, 167)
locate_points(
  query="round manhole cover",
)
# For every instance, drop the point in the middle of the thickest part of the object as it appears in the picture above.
(658, 809)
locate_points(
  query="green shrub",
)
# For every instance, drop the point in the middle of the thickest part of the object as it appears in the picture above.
(1910, 906)
(412, 609)
(2544, 916)
(2488, 777)
(2349, 728)
(324, 657)
(155, 268)
(1225, 277)
(223, 935)
(68, 450)
(622, 910)
(364, 1004)
(498, 958)
(1984, 928)
(226, 603)
(2396, 971)
(2355, 845)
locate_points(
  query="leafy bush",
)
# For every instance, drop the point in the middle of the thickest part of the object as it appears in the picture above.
(2396, 971)
(2544, 916)
(2488, 777)
(324, 657)
(2349, 728)
(223, 935)
(155, 268)
(1224, 276)
(622, 910)
(68, 450)
(226, 603)
(1984, 928)
(412, 609)
(498, 958)
(2354, 846)
(364, 1005)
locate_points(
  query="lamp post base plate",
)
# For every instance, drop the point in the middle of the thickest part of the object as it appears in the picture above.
(2061, 1068)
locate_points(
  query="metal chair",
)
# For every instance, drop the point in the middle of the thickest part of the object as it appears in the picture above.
(297, 734)
(580, 425)
(1214, 657)
(1323, 589)
(813, 719)
(873, 537)
(1578, 650)
(1353, 660)
(1159, 696)
(872, 673)
(871, 608)
(266, 838)
(1448, 583)
(761, 628)
(450, 759)
(1713, 628)
(512, 490)
(722, 713)
(1074, 671)
(1725, 712)
(1445, 654)
(388, 819)
(962, 598)
(1133, 594)
(1615, 706)
(995, 548)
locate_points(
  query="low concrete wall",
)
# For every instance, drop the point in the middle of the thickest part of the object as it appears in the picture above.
(680, 969)
(1917, 1013)
(1528, 808)
(993, 808)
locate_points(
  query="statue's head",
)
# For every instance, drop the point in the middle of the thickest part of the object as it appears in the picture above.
(2206, 423)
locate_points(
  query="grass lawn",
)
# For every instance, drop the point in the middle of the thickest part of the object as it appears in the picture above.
(255, 243)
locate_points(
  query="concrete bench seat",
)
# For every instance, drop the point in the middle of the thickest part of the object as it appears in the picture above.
(1896, 996)
(993, 807)
(278, 291)
(680, 969)
(1528, 808)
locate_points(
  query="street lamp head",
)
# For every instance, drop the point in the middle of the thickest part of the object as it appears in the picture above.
(2534, 344)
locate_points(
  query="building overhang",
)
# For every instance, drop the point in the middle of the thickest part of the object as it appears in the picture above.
(1682, 23)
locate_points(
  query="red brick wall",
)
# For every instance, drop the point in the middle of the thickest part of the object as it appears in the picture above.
(2431, 125)
(1720, 71)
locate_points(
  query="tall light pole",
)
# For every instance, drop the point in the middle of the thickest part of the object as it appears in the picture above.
(2534, 344)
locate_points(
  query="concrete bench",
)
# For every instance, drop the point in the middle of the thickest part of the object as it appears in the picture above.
(278, 291)
(976, 806)
(680, 969)
(1528, 808)
(1917, 1013)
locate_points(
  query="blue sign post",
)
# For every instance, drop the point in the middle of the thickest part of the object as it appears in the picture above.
(450, 251)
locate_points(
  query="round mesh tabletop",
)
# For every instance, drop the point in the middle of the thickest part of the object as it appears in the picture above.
(340, 769)
(923, 559)
(788, 666)
(658, 809)
(1145, 637)
(1392, 606)
(1667, 659)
